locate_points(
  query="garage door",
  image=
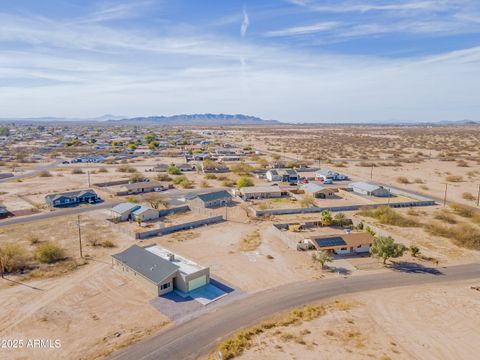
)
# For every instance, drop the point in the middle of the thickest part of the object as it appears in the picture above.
(196, 283)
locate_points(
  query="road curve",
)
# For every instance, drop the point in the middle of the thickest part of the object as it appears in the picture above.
(197, 336)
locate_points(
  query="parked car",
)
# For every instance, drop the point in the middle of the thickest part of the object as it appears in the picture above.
(328, 181)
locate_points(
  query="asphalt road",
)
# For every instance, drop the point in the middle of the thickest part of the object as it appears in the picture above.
(57, 213)
(33, 172)
(196, 337)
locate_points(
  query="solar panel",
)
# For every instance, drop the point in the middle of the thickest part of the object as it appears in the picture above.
(331, 241)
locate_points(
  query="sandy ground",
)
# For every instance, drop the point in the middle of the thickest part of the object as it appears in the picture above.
(218, 246)
(68, 306)
(434, 322)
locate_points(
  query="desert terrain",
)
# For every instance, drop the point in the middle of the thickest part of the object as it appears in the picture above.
(387, 324)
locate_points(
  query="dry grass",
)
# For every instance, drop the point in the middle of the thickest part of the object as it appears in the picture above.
(251, 242)
(243, 340)
(388, 216)
(463, 235)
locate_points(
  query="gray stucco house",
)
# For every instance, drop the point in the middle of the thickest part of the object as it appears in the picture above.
(161, 271)
(72, 198)
(211, 200)
(368, 189)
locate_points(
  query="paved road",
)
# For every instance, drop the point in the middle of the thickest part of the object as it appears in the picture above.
(196, 337)
(56, 213)
(33, 172)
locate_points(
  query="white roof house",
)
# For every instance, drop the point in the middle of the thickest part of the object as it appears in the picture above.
(365, 188)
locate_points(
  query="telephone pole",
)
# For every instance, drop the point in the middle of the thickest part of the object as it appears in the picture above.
(371, 173)
(478, 196)
(79, 236)
(445, 196)
(88, 173)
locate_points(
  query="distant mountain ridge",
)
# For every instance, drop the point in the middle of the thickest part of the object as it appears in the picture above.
(201, 119)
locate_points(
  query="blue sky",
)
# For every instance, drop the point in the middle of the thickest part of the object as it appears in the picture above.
(291, 60)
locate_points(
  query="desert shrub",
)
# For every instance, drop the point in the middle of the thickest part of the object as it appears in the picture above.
(388, 216)
(163, 177)
(403, 180)
(33, 239)
(414, 250)
(468, 196)
(102, 170)
(418, 181)
(108, 244)
(173, 170)
(13, 257)
(45, 173)
(462, 210)
(453, 178)
(50, 253)
(210, 176)
(244, 182)
(204, 184)
(183, 182)
(241, 169)
(445, 216)
(463, 235)
(77, 171)
(424, 187)
(462, 163)
(136, 177)
(125, 169)
(228, 183)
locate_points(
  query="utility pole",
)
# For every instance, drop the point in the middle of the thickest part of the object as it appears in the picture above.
(88, 173)
(371, 173)
(445, 196)
(79, 236)
(478, 196)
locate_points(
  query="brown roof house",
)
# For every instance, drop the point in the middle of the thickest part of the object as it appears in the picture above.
(343, 244)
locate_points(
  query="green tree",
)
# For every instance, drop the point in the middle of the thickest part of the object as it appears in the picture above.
(326, 217)
(322, 257)
(173, 170)
(244, 182)
(385, 248)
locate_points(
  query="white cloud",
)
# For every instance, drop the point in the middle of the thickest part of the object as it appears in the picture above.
(92, 69)
(302, 30)
(245, 23)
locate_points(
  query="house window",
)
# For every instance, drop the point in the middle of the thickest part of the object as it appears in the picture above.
(164, 286)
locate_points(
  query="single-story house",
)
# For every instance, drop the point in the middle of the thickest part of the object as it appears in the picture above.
(368, 189)
(72, 198)
(215, 168)
(160, 270)
(324, 174)
(145, 213)
(141, 187)
(343, 244)
(284, 175)
(318, 191)
(123, 211)
(260, 192)
(211, 199)
(306, 174)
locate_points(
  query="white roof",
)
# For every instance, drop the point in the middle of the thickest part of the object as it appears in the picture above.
(185, 266)
(364, 186)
